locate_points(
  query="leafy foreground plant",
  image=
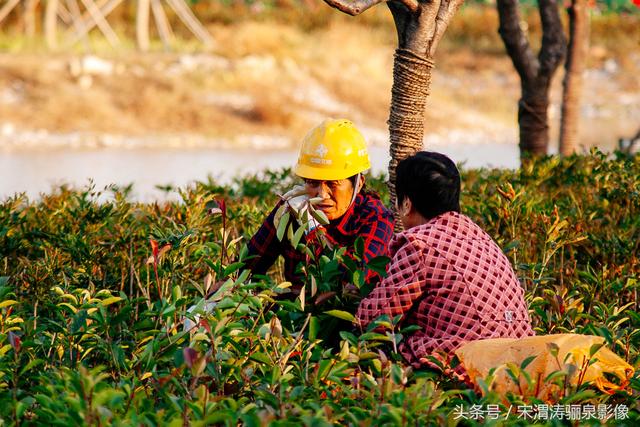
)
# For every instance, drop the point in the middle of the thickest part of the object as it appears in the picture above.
(93, 296)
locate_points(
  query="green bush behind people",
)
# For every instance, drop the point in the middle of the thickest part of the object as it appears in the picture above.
(93, 288)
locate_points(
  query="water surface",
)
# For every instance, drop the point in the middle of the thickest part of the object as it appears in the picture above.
(34, 172)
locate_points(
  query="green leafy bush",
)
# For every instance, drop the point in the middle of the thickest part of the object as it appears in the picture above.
(93, 296)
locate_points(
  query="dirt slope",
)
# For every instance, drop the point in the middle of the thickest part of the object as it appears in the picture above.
(266, 84)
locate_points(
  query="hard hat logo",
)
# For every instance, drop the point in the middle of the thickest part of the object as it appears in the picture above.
(335, 149)
(322, 150)
(318, 161)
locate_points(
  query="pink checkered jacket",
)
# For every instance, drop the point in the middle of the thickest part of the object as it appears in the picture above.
(451, 279)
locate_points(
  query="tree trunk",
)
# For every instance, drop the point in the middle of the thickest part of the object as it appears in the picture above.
(412, 67)
(409, 92)
(535, 73)
(420, 26)
(532, 117)
(574, 68)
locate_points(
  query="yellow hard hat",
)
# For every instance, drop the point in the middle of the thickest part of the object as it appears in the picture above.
(334, 149)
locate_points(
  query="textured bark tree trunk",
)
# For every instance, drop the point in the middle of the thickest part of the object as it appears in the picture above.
(532, 116)
(420, 26)
(573, 78)
(406, 114)
(412, 67)
(535, 73)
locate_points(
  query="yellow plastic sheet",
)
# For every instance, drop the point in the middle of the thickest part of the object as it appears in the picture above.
(569, 353)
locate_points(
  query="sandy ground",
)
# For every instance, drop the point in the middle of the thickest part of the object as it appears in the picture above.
(269, 84)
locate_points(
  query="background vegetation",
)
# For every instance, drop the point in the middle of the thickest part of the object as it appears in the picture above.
(94, 287)
(614, 22)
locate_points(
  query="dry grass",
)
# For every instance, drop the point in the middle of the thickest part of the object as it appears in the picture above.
(288, 77)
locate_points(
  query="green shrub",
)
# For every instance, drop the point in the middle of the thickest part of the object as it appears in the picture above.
(93, 293)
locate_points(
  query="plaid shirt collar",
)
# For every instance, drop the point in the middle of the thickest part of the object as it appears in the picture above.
(346, 224)
(399, 239)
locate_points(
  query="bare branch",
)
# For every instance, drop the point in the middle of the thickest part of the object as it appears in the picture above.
(448, 9)
(515, 41)
(186, 15)
(86, 24)
(7, 8)
(412, 5)
(101, 22)
(554, 43)
(355, 7)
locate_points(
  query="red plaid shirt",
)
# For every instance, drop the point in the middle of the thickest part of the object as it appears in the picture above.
(366, 217)
(451, 279)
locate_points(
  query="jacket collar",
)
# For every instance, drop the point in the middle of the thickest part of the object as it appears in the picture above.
(345, 224)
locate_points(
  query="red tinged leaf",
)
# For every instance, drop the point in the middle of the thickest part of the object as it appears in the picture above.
(636, 2)
(205, 324)
(154, 258)
(154, 248)
(15, 342)
(190, 356)
(157, 252)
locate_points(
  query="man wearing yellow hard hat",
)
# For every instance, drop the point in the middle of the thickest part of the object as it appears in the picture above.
(333, 205)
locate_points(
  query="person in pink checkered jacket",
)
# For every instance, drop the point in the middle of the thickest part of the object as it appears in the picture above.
(447, 275)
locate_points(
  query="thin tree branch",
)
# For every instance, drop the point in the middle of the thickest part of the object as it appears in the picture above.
(554, 42)
(162, 23)
(142, 24)
(355, 7)
(64, 14)
(515, 40)
(412, 5)
(86, 25)
(448, 9)
(8, 7)
(50, 22)
(186, 15)
(101, 22)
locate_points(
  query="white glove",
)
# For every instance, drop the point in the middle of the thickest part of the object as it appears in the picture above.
(298, 204)
(201, 308)
(302, 209)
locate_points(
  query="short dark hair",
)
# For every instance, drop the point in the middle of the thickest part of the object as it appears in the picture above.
(431, 181)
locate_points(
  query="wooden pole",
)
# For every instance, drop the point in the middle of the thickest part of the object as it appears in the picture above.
(51, 23)
(186, 15)
(101, 22)
(162, 23)
(7, 8)
(74, 10)
(142, 25)
(30, 18)
(87, 24)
